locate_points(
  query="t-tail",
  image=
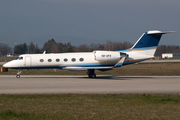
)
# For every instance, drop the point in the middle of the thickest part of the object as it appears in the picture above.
(148, 42)
(144, 48)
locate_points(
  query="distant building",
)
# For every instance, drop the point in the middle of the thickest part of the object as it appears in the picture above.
(10, 55)
(171, 55)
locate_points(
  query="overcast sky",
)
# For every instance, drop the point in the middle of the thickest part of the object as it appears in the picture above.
(87, 21)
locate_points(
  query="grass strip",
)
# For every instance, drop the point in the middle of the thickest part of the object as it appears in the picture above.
(89, 106)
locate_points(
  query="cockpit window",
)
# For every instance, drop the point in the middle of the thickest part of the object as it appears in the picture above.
(19, 58)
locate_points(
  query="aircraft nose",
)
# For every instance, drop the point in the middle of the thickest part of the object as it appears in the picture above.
(6, 65)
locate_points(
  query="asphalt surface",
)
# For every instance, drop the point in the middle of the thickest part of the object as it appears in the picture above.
(52, 84)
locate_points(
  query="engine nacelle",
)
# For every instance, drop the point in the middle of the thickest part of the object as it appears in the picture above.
(106, 56)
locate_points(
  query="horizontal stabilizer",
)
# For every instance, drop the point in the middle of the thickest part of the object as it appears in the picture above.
(159, 32)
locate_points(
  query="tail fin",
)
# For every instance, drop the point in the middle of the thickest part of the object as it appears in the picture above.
(148, 42)
(149, 39)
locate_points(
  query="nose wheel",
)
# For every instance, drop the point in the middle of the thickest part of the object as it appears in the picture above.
(18, 73)
(91, 73)
(17, 76)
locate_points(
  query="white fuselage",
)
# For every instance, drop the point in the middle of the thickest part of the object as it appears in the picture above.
(76, 61)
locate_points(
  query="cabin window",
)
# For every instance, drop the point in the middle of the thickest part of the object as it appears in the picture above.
(49, 60)
(81, 59)
(65, 60)
(73, 59)
(57, 60)
(41, 60)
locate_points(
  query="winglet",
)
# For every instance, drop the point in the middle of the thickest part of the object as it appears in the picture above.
(44, 52)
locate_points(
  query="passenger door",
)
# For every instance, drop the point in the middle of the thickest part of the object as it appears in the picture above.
(27, 61)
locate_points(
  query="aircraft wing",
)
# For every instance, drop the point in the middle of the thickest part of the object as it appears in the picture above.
(86, 68)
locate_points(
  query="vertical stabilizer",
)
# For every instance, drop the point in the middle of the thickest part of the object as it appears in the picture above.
(149, 40)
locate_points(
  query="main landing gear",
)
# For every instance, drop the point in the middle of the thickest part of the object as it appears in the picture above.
(91, 73)
(18, 73)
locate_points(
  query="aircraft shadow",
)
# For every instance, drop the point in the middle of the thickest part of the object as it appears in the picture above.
(97, 78)
(119, 77)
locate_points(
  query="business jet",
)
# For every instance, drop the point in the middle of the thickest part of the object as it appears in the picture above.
(143, 49)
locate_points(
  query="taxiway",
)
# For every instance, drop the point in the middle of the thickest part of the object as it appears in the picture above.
(51, 84)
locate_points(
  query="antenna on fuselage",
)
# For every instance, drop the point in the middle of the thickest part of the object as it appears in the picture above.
(44, 52)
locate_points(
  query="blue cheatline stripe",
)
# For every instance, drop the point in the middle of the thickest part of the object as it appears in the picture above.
(146, 48)
(88, 65)
(63, 66)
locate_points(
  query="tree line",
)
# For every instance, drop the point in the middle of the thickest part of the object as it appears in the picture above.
(167, 49)
(5, 49)
(51, 46)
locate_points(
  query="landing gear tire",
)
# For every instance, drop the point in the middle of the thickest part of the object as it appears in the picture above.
(94, 76)
(17, 76)
(91, 74)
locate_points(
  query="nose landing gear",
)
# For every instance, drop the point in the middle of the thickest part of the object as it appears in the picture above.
(18, 73)
(91, 73)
